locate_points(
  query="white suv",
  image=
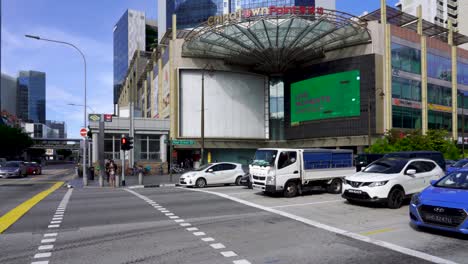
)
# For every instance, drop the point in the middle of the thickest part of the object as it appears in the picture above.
(391, 180)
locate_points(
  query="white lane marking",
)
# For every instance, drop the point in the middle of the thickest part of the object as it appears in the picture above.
(57, 218)
(169, 214)
(322, 202)
(228, 254)
(185, 224)
(199, 233)
(179, 220)
(207, 239)
(43, 255)
(40, 262)
(165, 211)
(173, 217)
(192, 229)
(50, 234)
(48, 240)
(241, 261)
(53, 226)
(45, 247)
(397, 248)
(157, 206)
(56, 222)
(217, 246)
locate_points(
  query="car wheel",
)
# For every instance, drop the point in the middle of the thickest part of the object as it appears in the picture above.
(238, 179)
(395, 198)
(335, 187)
(290, 190)
(200, 183)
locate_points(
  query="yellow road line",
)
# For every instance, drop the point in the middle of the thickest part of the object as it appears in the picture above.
(378, 231)
(12, 216)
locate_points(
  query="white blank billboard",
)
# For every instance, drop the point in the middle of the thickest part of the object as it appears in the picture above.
(234, 104)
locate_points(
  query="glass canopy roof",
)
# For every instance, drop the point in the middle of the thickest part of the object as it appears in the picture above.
(275, 44)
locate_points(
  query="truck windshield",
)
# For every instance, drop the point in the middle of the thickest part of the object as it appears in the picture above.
(265, 157)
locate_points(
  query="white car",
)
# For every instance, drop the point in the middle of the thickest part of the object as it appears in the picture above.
(391, 180)
(215, 173)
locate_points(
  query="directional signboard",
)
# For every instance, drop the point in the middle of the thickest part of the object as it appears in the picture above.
(107, 118)
(94, 117)
(183, 142)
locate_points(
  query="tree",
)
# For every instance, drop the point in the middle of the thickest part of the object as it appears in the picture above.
(435, 140)
(13, 142)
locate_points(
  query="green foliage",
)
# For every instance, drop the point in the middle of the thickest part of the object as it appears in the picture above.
(435, 140)
(13, 142)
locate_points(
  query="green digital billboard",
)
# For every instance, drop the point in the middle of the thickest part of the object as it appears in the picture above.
(328, 96)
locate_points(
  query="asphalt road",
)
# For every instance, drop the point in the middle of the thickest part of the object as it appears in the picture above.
(176, 225)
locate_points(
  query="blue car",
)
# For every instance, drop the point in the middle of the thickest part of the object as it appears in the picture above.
(457, 165)
(444, 204)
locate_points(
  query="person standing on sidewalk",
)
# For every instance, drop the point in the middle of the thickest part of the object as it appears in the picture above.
(112, 171)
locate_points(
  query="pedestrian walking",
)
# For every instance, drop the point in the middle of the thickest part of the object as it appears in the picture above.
(107, 170)
(112, 171)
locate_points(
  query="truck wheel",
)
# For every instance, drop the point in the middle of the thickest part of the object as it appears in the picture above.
(395, 198)
(335, 187)
(290, 190)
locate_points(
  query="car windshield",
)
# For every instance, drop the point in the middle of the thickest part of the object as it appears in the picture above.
(460, 163)
(203, 167)
(265, 157)
(387, 166)
(456, 180)
(12, 164)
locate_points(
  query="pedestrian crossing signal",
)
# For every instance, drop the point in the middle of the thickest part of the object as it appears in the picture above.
(126, 143)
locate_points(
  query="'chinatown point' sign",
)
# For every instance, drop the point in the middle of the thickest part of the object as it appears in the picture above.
(263, 11)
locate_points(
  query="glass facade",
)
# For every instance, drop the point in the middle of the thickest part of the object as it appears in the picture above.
(192, 13)
(439, 67)
(405, 117)
(129, 35)
(276, 109)
(406, 89)
(236, 4)
(32, 96)
(408, 59)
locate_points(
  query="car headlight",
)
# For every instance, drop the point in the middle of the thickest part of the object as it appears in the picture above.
(377, 184)
(271, 179)
(415, 199)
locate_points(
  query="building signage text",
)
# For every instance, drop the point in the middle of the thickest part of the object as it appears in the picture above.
(262, 11)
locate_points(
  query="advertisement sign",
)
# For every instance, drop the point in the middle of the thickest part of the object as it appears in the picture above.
(441, 108)
(49, 152)
(329, 96)
(165, 110)
(155, 110)
(406, 103)
(107, 117)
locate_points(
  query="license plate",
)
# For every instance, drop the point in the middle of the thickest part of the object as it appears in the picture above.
(438, 218)
(355, 191)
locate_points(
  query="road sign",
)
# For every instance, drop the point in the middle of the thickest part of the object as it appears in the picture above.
(183, 142)
(83, 132)
(107, 118)
(94, 117)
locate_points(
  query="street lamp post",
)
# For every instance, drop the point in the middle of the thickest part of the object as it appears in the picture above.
(89, 107)
(85, 179)
(202, 119)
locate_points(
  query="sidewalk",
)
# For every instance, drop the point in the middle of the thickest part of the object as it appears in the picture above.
(148, 181)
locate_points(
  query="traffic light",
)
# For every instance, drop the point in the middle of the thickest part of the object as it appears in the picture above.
(126, 143)
(130, 142)
(89, 134)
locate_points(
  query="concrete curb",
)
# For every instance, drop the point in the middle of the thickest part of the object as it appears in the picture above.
(154, 185)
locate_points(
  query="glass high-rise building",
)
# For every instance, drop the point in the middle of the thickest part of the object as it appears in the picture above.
(32, 96)
(133, 31)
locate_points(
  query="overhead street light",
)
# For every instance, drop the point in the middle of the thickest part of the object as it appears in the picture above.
(89, 107)
(85, 179)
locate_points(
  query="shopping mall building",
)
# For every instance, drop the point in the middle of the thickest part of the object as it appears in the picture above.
(303, 76)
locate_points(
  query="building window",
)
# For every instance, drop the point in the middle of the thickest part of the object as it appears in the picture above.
(440, 95)
(439, 67)
(276, 109)
(406, 59)
(406, 89)
(439, 120)
(462, 73)
(405, 117)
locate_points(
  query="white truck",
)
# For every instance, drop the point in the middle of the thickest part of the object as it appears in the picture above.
(292, 171)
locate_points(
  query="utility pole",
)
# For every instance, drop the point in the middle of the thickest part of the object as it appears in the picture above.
(202, 118)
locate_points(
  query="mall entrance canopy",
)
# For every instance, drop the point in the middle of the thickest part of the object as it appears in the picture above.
(275, 39)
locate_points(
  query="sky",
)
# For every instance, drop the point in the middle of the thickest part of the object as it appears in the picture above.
(88, 24)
